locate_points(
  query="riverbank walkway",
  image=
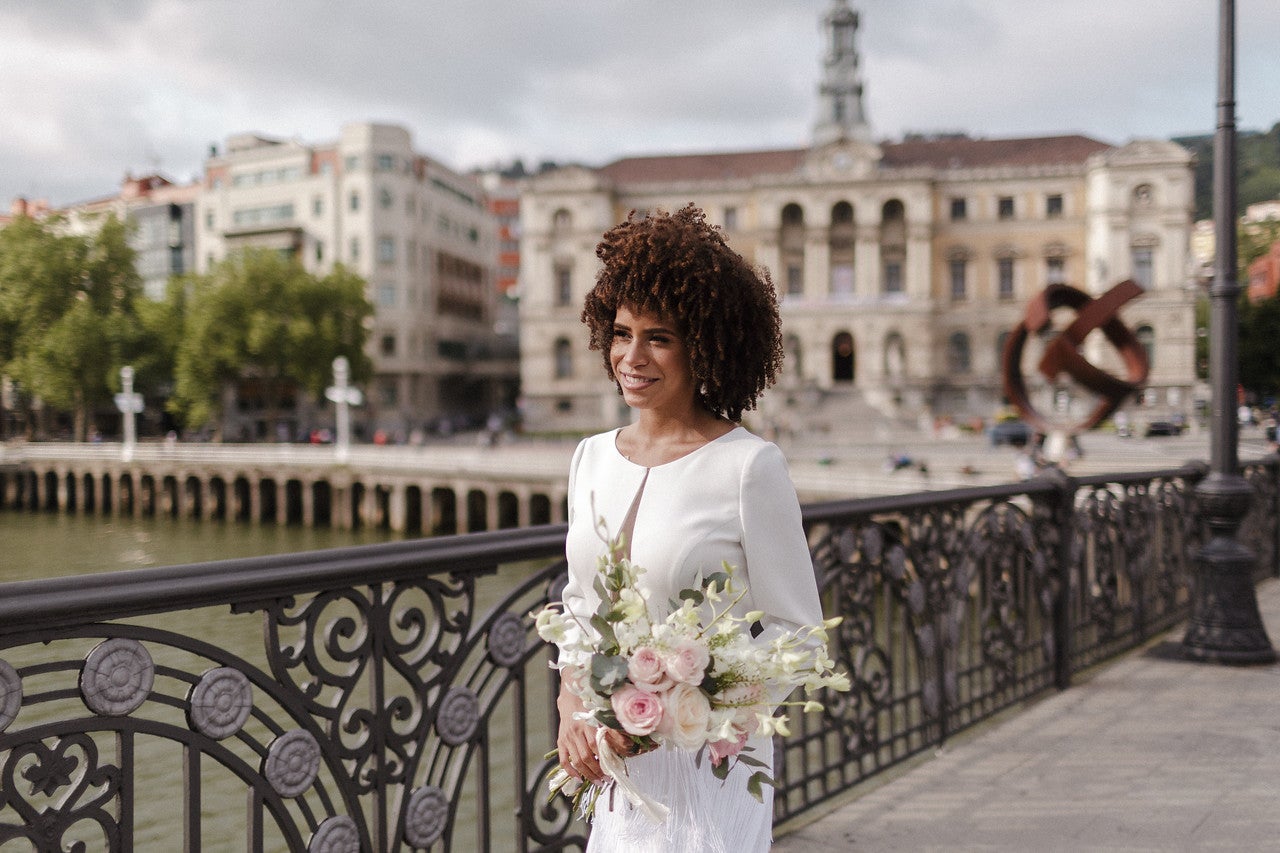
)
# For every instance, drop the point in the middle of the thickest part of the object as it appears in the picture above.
(1146, 753)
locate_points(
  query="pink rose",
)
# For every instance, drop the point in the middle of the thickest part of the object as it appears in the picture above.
(687, 714)
(638, 711)
(688, 662)
(647, 671)
(719, 750)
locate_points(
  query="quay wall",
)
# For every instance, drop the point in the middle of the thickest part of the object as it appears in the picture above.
(437, 490)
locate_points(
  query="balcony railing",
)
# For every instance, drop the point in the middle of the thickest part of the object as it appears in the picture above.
(395, 697)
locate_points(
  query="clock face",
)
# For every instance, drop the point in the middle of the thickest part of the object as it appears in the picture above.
(842, 160)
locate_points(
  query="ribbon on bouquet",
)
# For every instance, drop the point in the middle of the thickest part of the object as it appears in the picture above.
(613, 764)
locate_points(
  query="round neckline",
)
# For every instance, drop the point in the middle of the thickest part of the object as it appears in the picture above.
(614, 444)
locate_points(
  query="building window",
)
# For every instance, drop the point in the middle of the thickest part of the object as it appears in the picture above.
(730, 218)
(351, 163)
(1053, 206)
(388, 393)
(353, 203)
(1055, 271)
(561, 221)
(387, 346)
(1004, 207)
(892, 277)
(959, 209)
(564, 285)
(795, 280)
(384, 199)
(386, 250)
(1004, 275)
(958, 268)
(387, 294)
(354, 249)
(1147, 337)
(563, 358)
(1142, 196)
(958, 353)
(386, 163)
(1142, 266)
(319, 252)
(791, 247)
(893, 245)
(208, 220)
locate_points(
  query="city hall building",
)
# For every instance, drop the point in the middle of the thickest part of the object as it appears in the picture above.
(900, 266)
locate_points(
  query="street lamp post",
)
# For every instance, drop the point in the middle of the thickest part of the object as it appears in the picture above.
(344, 397)
(1225, 624)
(129, 404)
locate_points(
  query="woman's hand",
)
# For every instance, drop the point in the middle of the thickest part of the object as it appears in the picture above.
(576, 741)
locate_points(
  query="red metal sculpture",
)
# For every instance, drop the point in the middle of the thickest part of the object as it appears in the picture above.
(1062, 355)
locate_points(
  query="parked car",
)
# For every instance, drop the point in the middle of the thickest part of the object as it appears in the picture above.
(1163, 428)
(1015, 433)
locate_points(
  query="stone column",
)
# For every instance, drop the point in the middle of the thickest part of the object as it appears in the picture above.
(308, 503)
(255, 499)
(817, 266)
(918, 274)
(396, 507)
(866, 261)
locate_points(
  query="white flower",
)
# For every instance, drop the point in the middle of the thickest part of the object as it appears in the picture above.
(686, 716)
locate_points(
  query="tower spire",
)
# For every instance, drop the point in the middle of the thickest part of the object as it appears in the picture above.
(840, 112)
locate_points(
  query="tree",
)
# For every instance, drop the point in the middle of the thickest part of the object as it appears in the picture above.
(261, 317)
(68, 318)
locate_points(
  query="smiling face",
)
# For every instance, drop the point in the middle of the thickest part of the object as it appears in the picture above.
(651, 362)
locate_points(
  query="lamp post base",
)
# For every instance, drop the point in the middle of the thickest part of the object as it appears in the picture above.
(1225, 624)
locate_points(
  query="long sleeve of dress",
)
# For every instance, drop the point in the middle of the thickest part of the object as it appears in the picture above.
(779, 567)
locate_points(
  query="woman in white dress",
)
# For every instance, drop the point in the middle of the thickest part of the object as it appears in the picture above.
(690, 333)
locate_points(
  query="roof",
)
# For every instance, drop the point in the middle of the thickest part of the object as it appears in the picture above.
(949, 152)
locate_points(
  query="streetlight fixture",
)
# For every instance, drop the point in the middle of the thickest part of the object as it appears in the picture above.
(344, 397)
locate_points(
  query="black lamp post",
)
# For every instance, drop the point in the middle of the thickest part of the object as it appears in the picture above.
(1225, 625)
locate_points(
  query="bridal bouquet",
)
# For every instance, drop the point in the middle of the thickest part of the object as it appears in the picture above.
(694, 678)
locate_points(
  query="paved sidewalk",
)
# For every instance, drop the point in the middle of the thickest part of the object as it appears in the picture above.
(1149, 754)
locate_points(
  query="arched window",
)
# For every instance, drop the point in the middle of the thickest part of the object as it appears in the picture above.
(841, 242)
(958, 353)
(563, 358)
(1147, 337)
(563, 283)
(893, 247)
(791, 248)
(561, 221)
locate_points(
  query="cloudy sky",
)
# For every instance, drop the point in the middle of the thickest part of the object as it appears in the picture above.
(94, 88)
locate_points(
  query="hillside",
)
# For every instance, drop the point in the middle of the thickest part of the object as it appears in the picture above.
(1257, 170)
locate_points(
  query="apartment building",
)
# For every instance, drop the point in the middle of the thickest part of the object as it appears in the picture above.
(421, 235)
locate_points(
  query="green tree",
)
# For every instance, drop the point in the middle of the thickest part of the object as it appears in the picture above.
(68, 318)
(261, 317)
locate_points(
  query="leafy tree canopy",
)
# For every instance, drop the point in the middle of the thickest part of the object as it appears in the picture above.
(68, 312)
(260, 316)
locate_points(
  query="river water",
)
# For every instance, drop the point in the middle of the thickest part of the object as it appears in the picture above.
(48, 545)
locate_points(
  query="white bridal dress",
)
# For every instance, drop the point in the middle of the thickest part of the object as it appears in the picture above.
(730, 499)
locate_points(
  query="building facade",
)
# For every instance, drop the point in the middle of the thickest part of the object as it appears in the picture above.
(163, 217)
(419, 233)
(900, 266)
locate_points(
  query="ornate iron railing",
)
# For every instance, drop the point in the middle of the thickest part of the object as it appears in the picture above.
(394, 697)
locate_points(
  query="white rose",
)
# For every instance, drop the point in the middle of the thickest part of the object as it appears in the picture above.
(686, 716)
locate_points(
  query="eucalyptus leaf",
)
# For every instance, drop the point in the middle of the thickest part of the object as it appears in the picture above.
(692, 595)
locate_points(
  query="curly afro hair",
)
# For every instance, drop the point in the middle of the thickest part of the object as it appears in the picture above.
(678, 266)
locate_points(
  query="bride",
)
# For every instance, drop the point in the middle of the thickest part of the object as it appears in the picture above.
(691, 335)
